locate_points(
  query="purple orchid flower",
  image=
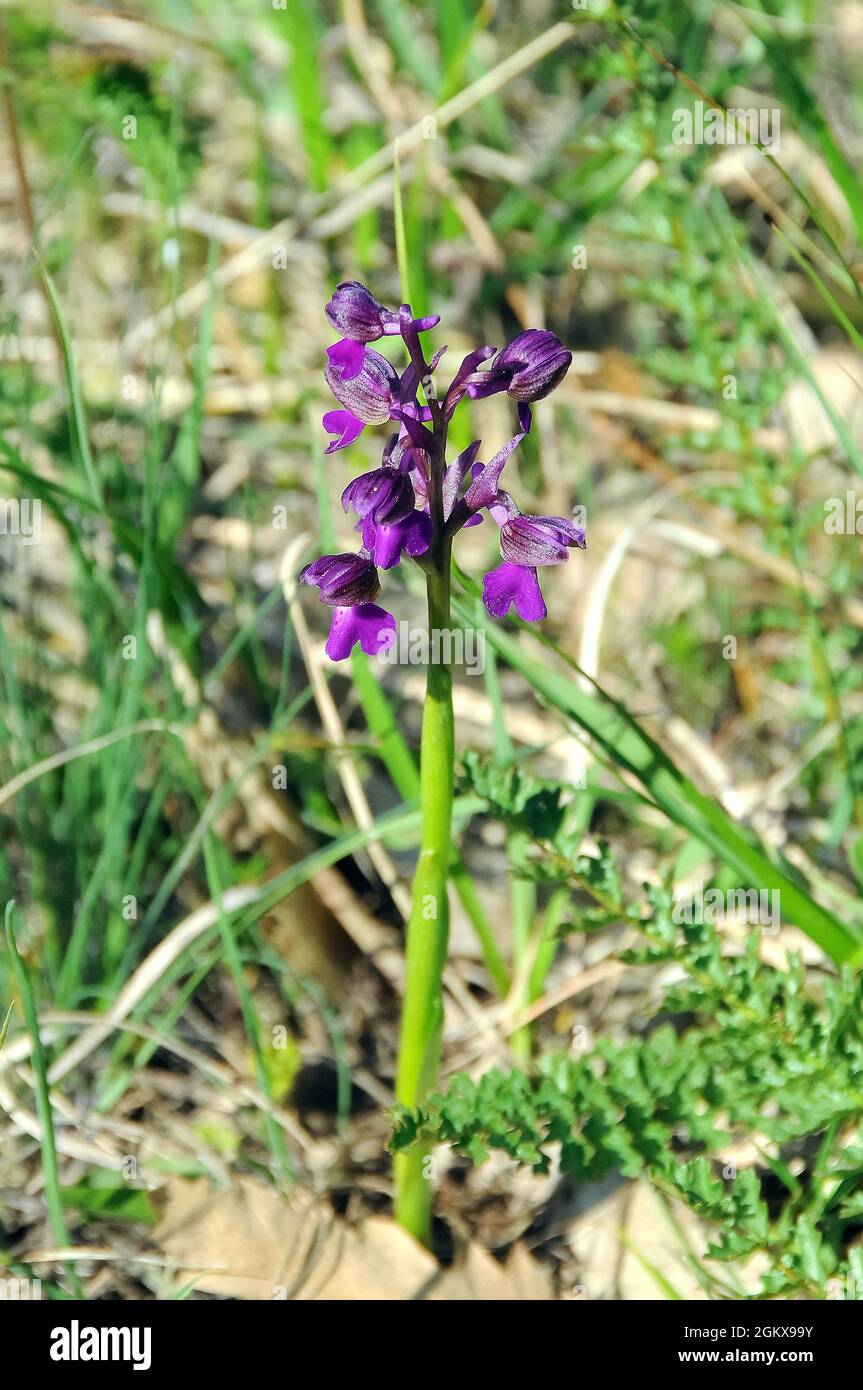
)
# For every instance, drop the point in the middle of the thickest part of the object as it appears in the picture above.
(356, 314)
(415, 502)
(528, 368)
(348, 584)
(525, 543)
(369, 397)
(384, 500)
(344, 580)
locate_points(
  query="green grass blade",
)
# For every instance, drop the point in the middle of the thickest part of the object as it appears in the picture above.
(53, 1196)
(76, 399)
(615, 730)
(301, 26)
(231, 952)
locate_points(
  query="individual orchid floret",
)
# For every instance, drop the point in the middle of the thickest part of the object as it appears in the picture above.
(348, 584)
(528, 368)
(370, 397)
(525, 543)
(360, 318)
(355, 313)
(384, 500)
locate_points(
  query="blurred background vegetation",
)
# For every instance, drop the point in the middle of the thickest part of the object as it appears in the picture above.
(182, 186)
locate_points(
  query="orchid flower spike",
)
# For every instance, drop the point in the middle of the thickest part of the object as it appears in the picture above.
(415, 502)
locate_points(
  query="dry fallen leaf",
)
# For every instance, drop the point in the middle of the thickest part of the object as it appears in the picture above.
(250, 1242)
(617, 1238)
(479, 1277)
(624, 1240)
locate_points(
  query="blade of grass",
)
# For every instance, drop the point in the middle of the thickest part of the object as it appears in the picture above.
(823, 289)
(80, 436)
(630, 747)
(806, 109)
(301, 26)
(801, 362)
(53, 1197)
(275, 1138)
(414, 57)
(400, 233)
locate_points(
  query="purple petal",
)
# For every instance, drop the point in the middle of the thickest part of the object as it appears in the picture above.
(423, 438)
(485, 384)
(346, 358)
(485, 487)
(455, 475)
(385, 493)
(345, 425)
(373, 627)
(458, 385)
(389, 541)
(535, 362)
(312, 573)
(513, 584)
(539, 540)
(369, 395)
(525, 416)
(344, 580)
(419, 533)
(355, 313)
(409, 382)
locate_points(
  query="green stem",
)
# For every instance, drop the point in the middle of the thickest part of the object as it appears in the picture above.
(428, 928)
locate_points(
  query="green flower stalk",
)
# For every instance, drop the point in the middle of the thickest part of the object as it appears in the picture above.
(413, 505)
(428, 928)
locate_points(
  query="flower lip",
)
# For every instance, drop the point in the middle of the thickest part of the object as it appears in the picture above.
(369, 395)
(345, 426)
(510, 584)
(374, 628)
(539, 540)
(344, 580)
